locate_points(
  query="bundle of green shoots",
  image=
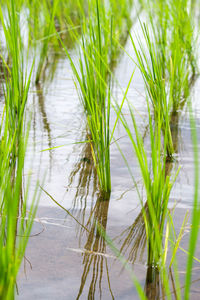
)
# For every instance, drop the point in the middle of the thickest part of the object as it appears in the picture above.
(166, 59)
(15, 221)
(92, 75)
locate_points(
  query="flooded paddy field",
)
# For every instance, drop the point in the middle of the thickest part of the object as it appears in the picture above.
(107, 132)
(63, 259)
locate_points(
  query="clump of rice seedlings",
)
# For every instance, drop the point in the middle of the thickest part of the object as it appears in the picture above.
(92, 75)
(15, 222)
(166, 58)
(154, 217)
(150, 63)
(17, 81)
(173, 25)
(181, 65)
(46, 20)
(156, 182)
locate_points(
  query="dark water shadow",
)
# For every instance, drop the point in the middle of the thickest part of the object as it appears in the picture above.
(153, 284)
(46, 124)
(95, 265)
(83, 174)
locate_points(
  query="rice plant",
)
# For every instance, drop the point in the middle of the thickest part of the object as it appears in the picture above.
(155, 215)
(150, 63)
(157, 184)
(166, 58)
(91, 76)
(177, 39)
(15, 222)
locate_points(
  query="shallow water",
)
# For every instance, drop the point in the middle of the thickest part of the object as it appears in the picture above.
(63, 260)
(65, 263)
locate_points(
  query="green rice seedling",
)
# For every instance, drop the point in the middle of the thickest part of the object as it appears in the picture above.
(15, 221)
(181, 58)
(93, 81)
(157, 185)
(173, 26)
(17, 80)
(157, 219)
(150, 63)
(91, 76)
(167, 60)
(195, 223)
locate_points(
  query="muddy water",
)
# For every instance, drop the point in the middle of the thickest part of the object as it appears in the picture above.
(66, 258)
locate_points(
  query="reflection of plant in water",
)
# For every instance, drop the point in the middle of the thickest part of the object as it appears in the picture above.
(85, 170)
(174, 118)
(50, 67)
(134, 239)
(47, 128)
(41, 105)
(93, 260)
